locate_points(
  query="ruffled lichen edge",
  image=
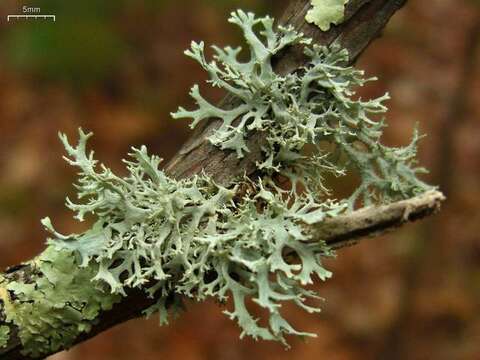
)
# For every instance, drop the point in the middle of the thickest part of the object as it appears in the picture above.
(325, 13)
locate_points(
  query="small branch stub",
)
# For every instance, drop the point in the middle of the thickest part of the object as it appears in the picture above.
(347, 230)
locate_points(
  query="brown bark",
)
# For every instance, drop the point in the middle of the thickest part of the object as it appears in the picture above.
(365, 19)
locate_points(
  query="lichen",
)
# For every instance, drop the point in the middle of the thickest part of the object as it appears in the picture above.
(324, 13)
(196, 238)
(314, 106)
(62, 303)
(4, 336)
(193, 238)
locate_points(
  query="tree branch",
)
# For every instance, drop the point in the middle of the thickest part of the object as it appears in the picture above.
(364, 21)
(347, 230)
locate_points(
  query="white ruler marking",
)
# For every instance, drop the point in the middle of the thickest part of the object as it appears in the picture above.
(45, 17)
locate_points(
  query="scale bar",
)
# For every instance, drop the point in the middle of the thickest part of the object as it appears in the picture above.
(45, 17)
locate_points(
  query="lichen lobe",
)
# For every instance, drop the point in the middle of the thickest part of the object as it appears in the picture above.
(325, 13)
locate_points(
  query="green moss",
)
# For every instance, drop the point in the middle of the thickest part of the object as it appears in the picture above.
(4, 336)
(62, 303)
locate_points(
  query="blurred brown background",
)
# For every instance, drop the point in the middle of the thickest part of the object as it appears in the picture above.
(117, 68)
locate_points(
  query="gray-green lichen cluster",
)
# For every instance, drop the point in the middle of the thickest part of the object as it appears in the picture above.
(53, 311)
(195, 238)
(314, 106)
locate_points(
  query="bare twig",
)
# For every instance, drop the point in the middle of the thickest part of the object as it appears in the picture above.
(347, 230)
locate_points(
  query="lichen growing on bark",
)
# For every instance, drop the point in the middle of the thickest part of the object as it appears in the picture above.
(62, 303)
(196, 238)
(314, 106)
(324, 13)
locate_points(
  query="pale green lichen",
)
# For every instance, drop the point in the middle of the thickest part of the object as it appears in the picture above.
(199, 239)
(62, 303)
(324, 13)
(192, 238)
(4, 336)
(314, 106)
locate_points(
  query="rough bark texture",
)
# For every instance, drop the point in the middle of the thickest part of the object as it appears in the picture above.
(364, 21)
